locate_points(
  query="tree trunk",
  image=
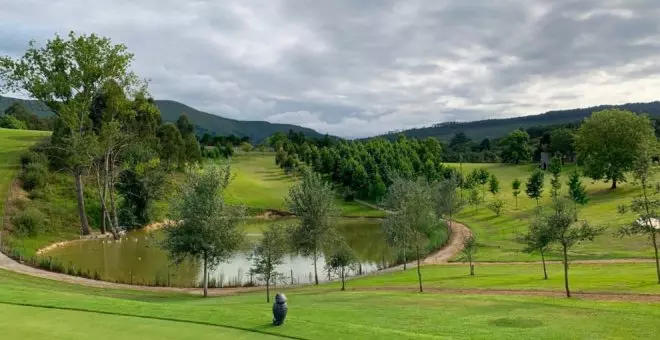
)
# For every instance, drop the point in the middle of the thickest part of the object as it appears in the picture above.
(316, 274)
(657, 262)
(405, 260)
(268, 289)
(516, 202)
(84, 224)
(568, 291)
(613, 183)
(545, 272)
(206, 277)
(471, 265)
(343, 275)
(419, 271)
(103, 214)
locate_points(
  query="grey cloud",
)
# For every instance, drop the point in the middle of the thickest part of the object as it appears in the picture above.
(358, 68)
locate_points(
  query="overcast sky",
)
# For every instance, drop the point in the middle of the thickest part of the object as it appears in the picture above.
(364, 67)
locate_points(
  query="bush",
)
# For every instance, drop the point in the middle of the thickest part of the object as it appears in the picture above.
(33, 157)
(29, 222)
(34, 176)
(497, 206)
(11, 122)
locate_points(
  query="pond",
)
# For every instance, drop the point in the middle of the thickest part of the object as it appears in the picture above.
(138, 259)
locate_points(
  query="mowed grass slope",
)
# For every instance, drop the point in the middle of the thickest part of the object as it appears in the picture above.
(258, 183)
(35, 308)
(12, 144)
(497, 235)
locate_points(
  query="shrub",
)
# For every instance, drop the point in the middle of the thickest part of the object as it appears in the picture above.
(29, 222)
(34, 176)
(33, 157)
(11, 122)
(497, 206)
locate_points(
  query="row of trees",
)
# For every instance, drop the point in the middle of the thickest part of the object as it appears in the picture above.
(106, 124)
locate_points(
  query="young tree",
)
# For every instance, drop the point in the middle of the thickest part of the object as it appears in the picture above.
(555, 170)
(515, 185)
(269, 253)
(312, 200)
(534, 185)
(577, 192)
(516, 147)
(494, 185)
(646, 206)
(474, 198)
(340, 260)
(538, 238)
(609, 141)
(447, 201)
(469, 249)
(416, 214)
(481, 176)
(66, 75)
(497, 205)
(205, 228)
(397, 232)
(566, 234)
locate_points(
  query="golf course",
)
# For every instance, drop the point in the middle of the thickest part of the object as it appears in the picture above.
(615, 291)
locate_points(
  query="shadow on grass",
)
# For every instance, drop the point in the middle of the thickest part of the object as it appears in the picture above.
(258, 330)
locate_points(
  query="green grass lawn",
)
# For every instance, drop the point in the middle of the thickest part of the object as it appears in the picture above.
(497, 235)
(12, 144)
(260, 184)
(33, 308)
(613, 278)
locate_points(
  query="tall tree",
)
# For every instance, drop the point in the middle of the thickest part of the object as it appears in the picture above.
(515, 185)
(562, 141)
(538, 238)
(516, 147)
(415, 213)
(609, 141)
(171, 144)
(268, 254)
(447, 201)
(494, 185)
(566, 234)
(577, 192)
(66, 75)
(646, 206)
(534, 185)
(398, 233)
(205, 227)
(312, 201)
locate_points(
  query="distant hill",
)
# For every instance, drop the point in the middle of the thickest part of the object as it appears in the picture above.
(204, 122)
(494, 128)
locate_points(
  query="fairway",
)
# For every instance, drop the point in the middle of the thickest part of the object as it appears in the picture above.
(497, 235)
(314, 314)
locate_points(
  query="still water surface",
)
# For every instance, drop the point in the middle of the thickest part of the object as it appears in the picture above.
(138, 259)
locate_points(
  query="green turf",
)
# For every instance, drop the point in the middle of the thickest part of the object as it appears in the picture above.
(35, 308)
(616, 278)
(497, 235)
(259, 184)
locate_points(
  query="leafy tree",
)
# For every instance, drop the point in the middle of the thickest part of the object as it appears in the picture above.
(609, 141)
(566, 234)
(562, 141)
(184, 125)
(515, 185)
(474, 198)
(205, 227)
(516, 147)
(11, 122)
(555, 170)
(65, 75)
(340, 260)
(470, 247)
(377, 187)
(494, 185)
(534, 185)
(268, 254)
(538, 238)
(485, 144)
(312, 201)
(447, 202)
(497, 205)
(480, 176)
(576, 191)
(171, 144)
(398, 234)
(413, 215)
(646, 206)
(191, 149)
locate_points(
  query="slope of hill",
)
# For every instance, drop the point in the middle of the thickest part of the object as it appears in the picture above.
(493, 128)
(204, 122)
